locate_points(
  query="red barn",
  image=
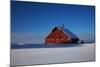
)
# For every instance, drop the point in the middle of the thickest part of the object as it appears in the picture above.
(61, 35)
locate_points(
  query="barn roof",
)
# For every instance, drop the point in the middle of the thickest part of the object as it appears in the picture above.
(67, 32)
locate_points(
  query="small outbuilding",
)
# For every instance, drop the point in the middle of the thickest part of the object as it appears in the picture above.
(61, 35)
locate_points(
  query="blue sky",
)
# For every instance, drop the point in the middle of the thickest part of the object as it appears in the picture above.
(39, 19)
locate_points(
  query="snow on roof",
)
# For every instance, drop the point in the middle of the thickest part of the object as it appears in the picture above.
(67, 32)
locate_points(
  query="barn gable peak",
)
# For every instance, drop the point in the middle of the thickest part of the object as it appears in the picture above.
(61, 26)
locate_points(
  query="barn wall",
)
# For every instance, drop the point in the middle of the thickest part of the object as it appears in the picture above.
(57, 37)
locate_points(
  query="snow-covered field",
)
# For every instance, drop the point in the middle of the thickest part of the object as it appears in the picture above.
(34, 56)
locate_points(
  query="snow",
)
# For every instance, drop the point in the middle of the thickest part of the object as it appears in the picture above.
(68, 32)
(34, 56)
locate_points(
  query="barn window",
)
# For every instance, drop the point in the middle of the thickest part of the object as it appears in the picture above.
(62, 39)
(57, 41)
(48, 40)
(68, 40)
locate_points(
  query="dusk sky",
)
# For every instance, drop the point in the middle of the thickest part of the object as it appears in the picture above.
(33, 20)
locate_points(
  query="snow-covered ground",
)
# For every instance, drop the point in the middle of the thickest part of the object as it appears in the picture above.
(34, 56)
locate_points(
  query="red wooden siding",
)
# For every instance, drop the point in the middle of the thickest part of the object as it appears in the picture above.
(57, 37)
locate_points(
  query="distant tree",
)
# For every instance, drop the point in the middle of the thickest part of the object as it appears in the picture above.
(82, 41)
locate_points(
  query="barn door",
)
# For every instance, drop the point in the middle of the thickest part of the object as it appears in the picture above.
(57, 41)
